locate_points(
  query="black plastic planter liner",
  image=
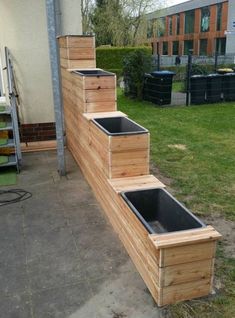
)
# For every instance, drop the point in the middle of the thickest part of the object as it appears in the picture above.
(160, 212)
(93, 73)
(119, 126)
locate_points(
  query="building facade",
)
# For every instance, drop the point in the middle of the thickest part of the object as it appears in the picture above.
(205, 26)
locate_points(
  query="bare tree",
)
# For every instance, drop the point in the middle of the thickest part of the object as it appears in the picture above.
(86, 8)
(118, 22)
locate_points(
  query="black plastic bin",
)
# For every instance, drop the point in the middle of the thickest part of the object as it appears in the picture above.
(214, 88)
(115, 126)
(229, 87)
(158, 87)
(160, 212)
(198, 89)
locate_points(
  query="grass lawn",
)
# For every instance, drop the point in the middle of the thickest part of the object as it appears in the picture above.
(178, 87)
(195, 148)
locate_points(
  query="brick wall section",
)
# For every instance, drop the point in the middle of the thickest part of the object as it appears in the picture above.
(37, 132)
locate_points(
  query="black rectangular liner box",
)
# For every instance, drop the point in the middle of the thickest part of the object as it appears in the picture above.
(160, 212)
(93, 73)
(115, 126)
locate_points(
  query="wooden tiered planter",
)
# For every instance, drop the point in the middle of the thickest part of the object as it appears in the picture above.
(77, 51)
(91, 90)
(175, 265)
(122, 152)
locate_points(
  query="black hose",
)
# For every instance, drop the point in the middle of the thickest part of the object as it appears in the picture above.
(20, 195)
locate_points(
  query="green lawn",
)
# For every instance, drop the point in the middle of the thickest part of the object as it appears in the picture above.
(178, 87)
(195, 148)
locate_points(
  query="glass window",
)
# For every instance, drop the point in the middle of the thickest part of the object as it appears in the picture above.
(165, 48)
(221, 46)
(205, 19)
(177, 24)
(219, 17)
(175, 47)
(188, 45)
(161, 27)
(203, 47)
(170, 26)
(150, 29)
(189, 22)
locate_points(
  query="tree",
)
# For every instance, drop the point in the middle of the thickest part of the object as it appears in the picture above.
(109, 23)
(117, 22)
(86, 9)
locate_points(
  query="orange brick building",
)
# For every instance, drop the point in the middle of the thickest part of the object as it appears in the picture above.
(206, 26)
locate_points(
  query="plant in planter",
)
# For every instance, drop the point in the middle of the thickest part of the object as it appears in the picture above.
(135, 65)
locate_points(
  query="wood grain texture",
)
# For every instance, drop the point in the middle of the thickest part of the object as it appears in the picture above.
(176, 266)
(69, 41)
(90, 116)
(135, 183)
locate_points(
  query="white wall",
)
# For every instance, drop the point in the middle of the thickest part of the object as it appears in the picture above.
(23, 29)
(71, 22)
(230, 46)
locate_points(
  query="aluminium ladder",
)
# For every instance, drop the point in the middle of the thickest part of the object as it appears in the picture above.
(9, 121)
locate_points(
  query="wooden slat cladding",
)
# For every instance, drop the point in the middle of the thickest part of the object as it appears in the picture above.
(175, 266)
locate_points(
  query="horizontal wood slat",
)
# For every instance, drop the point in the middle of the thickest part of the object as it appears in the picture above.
(175, 266)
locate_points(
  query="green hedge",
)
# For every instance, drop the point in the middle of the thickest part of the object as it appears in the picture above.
(111, 58)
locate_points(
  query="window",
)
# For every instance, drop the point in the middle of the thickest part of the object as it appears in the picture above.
(188, 45)
(177, 24)
(161, 27)
(170, 26)
(221, 46)
(205, 19)
(219, 17)
(203, 47)
(189, 22)
(150, 29)
(175, 48)
(165, 48)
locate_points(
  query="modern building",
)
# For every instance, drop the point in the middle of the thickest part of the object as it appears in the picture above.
(206, 26)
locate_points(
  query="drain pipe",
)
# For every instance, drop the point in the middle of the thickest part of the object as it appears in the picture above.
(56, 83)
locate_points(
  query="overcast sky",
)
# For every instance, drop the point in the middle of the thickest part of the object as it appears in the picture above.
(172, 2)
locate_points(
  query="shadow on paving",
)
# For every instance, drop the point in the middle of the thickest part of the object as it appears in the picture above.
(59, 257)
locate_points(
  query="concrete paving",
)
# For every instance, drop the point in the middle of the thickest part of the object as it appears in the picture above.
(59, 257)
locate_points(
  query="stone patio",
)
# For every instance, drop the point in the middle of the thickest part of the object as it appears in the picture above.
(59, 256)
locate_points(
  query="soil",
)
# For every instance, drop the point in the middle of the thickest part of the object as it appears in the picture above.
(227, 229)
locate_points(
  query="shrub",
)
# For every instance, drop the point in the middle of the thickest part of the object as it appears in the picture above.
(111, 58)
(135, 65)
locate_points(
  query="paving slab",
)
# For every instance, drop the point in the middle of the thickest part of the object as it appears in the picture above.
(59, 256)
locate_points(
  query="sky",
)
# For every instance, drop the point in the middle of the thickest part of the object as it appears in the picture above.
(172, 2)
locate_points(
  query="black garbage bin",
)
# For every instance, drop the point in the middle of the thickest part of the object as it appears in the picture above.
(147, 87)
(158, 87)
(229, 87)
(214, 88)
(160, 212)
(198, 89)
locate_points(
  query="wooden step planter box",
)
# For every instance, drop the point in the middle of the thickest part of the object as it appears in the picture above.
(121, 145)
(77, 51)
(180, 256)
(94, 90)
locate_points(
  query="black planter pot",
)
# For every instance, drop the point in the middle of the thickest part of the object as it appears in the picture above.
(115, 126)
(160, 212)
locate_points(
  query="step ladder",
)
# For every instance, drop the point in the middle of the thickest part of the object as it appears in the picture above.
(9, 123)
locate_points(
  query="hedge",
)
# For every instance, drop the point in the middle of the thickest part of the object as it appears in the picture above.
(111, 58)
